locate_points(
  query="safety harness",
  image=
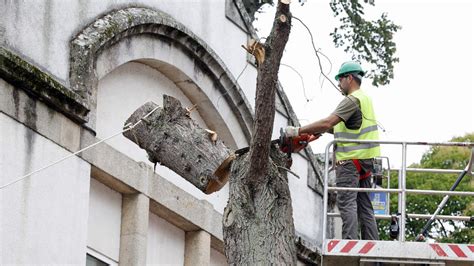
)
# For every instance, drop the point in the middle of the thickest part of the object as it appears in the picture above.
(362, 173)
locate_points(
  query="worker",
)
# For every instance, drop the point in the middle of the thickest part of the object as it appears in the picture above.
(353, 118)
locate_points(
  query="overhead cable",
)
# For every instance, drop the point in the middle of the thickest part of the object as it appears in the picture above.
(126, 128)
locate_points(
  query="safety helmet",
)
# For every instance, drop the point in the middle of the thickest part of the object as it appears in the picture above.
(350, 67)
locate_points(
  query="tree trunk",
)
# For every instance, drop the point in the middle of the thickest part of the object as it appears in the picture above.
(170, 137)
(258, 220)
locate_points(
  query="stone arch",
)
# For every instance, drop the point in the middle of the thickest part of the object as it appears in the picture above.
(128, 22)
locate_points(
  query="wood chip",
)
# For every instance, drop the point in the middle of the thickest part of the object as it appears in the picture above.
(189, 110)
(256, 49)
(212, 135)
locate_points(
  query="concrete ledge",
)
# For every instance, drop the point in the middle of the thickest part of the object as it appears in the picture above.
(36, 82)
(113, 167)
(110, 181)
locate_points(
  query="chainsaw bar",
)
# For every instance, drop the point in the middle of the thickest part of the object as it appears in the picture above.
(243, 151)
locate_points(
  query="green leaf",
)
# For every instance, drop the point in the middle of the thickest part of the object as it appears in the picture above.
(369, 41)
(441, 157)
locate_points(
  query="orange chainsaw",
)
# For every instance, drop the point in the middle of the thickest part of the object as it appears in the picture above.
(286, 144)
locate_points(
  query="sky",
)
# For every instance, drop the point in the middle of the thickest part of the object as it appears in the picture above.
(431, 96)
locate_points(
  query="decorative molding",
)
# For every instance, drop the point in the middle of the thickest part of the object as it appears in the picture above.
(41, 85)
(118, 25)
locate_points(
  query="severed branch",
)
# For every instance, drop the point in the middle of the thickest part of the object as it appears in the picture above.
(170, 137)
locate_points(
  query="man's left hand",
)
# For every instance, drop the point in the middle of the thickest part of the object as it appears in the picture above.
(291, 131)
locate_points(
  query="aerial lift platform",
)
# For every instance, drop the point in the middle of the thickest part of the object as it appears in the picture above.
(398, 252)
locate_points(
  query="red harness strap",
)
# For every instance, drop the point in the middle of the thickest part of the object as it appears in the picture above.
(362, 173)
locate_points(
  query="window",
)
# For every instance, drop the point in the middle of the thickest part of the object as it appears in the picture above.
(93, 261)
(95, 258)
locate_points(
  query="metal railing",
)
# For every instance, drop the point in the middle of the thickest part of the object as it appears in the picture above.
(401, 190)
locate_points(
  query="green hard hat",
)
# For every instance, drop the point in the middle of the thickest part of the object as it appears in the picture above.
(350, 67)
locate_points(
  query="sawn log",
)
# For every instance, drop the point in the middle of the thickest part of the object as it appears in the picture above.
(171, 138)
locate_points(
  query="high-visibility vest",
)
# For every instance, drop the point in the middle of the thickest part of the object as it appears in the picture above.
(367, 131)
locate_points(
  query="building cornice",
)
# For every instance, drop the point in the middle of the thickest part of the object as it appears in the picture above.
(41, 85)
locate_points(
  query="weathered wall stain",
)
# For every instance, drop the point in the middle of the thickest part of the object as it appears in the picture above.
(26, 188)
(16, 101)
(41, 85)
(30, 113)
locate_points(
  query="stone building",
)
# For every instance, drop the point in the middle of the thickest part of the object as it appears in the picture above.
(71, 74)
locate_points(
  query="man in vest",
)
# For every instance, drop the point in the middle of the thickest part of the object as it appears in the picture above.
(353, 118)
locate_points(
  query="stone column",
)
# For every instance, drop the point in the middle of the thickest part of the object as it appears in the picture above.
(197, 248)
(133, 235)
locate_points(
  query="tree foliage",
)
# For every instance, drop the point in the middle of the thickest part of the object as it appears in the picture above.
(252, 6)
(369, 41)
(440, 157)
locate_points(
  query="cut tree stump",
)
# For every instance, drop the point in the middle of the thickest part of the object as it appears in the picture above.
(171, 138)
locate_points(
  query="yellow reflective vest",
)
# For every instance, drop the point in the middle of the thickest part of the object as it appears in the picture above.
(367, 131)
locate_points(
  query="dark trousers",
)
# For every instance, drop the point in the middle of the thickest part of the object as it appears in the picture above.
(355, 207)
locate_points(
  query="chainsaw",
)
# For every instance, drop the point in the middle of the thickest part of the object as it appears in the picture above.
(286, 144)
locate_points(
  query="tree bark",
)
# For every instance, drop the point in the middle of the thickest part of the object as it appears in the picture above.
(170, 137)
(267, 82)
(258, 219)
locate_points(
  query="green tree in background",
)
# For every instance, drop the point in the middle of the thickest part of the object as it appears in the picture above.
(366, 40)
(441, 157)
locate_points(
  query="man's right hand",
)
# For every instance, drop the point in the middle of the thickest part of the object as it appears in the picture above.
(291, 131)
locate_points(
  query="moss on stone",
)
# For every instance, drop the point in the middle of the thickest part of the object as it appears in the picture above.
(41, 85)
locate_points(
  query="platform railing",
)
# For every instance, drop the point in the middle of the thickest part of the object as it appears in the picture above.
(402, 190)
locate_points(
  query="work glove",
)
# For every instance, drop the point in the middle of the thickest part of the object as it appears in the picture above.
(291, 131)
